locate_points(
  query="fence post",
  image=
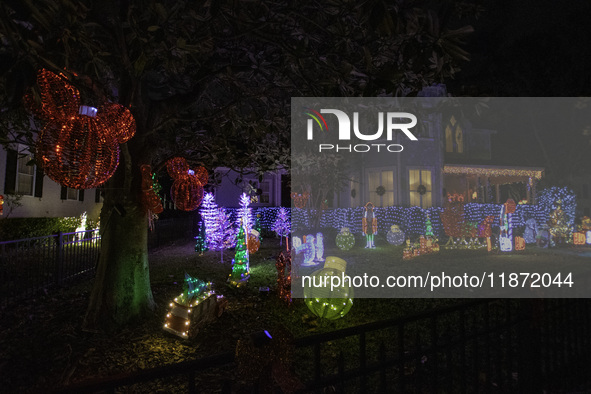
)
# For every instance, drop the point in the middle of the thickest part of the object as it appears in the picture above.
(59, 257)
(530, 371)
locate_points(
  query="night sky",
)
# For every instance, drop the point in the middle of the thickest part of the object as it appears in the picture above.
(531, 49)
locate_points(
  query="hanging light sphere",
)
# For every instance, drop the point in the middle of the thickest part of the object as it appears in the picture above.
(120, 119)
(80, 153)
(187, 189)
(187, 193)
(177, 167)
(79, 145)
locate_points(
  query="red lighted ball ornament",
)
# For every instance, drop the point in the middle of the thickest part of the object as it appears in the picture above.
(79, 145)
(187, 188)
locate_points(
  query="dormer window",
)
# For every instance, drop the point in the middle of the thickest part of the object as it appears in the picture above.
(454, 136)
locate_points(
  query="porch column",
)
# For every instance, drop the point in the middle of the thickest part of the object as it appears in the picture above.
(498, 187)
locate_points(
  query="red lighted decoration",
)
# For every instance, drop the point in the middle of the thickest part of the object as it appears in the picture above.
(579, 238)
(187, 188)
(519, 243)
(253, 243)
(510, 206)
(78, 146)
(300, 200)
(150, 199)
(283, 265)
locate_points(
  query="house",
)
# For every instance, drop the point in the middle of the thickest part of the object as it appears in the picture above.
(452, 161)
(270, 191)
(27, 192)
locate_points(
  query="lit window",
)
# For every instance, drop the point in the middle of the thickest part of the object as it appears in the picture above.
(420, 188)
(259, 192)
(381, 188)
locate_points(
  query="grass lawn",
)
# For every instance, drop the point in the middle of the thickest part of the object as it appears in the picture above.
(43, 346)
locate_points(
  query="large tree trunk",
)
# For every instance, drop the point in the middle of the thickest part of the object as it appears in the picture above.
(121, 290)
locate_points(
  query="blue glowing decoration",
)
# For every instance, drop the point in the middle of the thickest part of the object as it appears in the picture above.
(319, 247)
(395, 236)
(530, 231)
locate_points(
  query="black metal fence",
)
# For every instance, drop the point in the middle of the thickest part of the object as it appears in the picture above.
(484, 346)
(33, 264)
(170, 230)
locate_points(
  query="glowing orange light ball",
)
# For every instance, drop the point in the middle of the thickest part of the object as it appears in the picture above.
(187, 188)
(78, 146)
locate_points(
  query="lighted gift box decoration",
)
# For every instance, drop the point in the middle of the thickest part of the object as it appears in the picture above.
(519, 243)
(78, 146)
(194, 308)
(579, 238)
(345, 240)
(187, 188)
(395, 236)
(325, 297)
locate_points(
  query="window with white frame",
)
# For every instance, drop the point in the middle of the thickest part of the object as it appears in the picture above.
(381, 187)
(25, 175)
(72, 194)
(259, 192)
(421, 188)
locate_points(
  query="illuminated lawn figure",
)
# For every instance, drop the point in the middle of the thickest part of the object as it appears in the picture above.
(240, 264)
(345, 240)
(193, 309)
(325, 297)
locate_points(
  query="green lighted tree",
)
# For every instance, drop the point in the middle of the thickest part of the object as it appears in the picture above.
(240, 264)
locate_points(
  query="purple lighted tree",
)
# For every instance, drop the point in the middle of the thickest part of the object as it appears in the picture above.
(282, 225)
(209, 210)
(244, 215)
(219, 232)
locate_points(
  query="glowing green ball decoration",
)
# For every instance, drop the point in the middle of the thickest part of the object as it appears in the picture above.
(328, 295)
(345, 240)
